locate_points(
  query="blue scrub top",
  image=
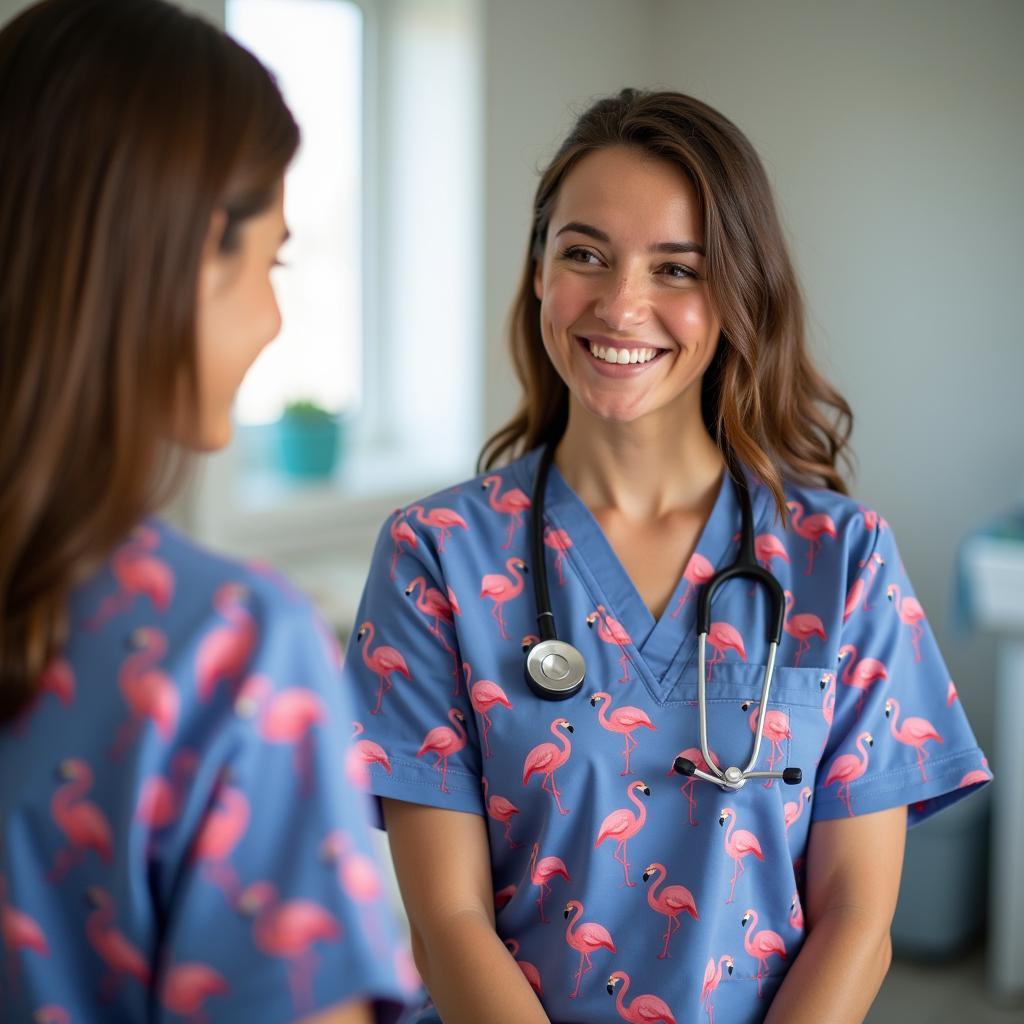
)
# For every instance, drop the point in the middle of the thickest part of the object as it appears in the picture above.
(609, 868)
(180, 838)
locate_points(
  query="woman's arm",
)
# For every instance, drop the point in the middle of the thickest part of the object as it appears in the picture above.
(350, 1013)
(442, 859)
(853, 879)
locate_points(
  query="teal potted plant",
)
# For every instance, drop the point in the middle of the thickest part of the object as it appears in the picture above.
(308, 439)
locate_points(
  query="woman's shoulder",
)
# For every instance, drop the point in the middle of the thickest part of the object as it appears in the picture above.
(829, 509)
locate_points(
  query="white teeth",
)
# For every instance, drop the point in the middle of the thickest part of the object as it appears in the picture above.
(634, 355)
(621, 356)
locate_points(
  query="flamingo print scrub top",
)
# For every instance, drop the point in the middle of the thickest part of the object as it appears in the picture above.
(180, 836)
(624, 890)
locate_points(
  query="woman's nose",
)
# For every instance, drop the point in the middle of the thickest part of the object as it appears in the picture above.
(624, 301)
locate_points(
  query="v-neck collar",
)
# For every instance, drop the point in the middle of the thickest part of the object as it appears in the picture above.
(662, 647)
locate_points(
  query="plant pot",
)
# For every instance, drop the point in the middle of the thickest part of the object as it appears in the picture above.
(308, 446)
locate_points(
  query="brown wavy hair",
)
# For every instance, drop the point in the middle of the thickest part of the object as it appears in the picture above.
(763, 401)
(125, 125)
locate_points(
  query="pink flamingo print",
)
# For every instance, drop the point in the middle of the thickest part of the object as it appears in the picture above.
(911, 614)
(112, 946)
(542, 873)
(485, 695)
(160, 799)
(362, 755)
(761, 945)
(357, 873)
(858, 593)
(500, 589)
(443, 742)
(84, 825)
(220, 832)
(698, 571)
(802, 627)
(438, 608)
(976, 775)
(59, 678)
(671, 901)
(586, 939)
(18, 929)
(286, 717)
(695, 755)
(612, 632)
(188, 986)
(646, 1009)
(382, 661)
(51, 1013)
(623, 720)
(503, 896)
(861, 675)
(138, 573)
(530, 972)
(767, 546)
(724, 637)
(796, 913)
(400, 533)
(812, 529)
(846, 769)
(828, 698)
(914, 732)
(512, 504)
(148, 692)
(792, 809)
(622, 824)
(545, 759)
(951, 694)
(560, 542)
(776, 729)
(288, 930)
(443, 520)
(501, 809)
(738, 846)
(225, 651)
(712, 979)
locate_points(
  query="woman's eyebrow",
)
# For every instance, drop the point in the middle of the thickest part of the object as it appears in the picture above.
(600, 236)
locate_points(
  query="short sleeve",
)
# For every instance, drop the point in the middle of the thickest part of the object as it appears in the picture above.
(417, 738)
(279, 909)
(899, 735)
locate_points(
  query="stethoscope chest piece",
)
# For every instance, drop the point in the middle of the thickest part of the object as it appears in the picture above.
(554, 669)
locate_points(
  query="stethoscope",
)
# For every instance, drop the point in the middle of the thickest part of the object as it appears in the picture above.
(555, 670)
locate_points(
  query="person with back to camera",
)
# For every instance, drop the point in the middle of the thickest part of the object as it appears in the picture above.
(673, 478)
(180, 838)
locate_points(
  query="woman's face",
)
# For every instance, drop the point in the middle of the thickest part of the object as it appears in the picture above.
(625, 311)
(237, 317)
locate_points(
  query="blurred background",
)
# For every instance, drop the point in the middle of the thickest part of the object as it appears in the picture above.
(892, 133)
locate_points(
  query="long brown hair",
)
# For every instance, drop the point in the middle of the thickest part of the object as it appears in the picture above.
(763, 401)
(125, 125)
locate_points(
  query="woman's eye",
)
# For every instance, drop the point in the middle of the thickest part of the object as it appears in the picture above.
(678, 271)
(576, 254)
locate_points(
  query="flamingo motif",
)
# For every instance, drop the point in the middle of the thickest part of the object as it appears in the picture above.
(646, 1009)
(724, 637)
(612, 632)
(286, 717)
(560, 542)
(951, 694)
(976, 775)
(761, 945)
(188, 986)
(712, 979)
(18, 929)
(357, 873)
(226, 651)
(220, 832)
(545, 759)
(812, 529)
(382, 661)
(148, 692)
(914, 732)
(796, 913)
(828, 698)
(861, 675)
(362, 754)
(443, 742)
(792, 809)
(695, 755)
(738, 846)
(59, 678)
(160, 799)
(114, 949)
(485, 695)
(586, 939)
(512, 504)
(776, 729)
(499, 589)
(288, 930)
(624, 720)
(503, 896)
(51, 1013)
(138, 573)
(622, 824)
(437, 607)
(767, 546)
(671, 901)
(529, 970)
(858, 593)
(698, 571)
(911, 614)
(84, 825)
(846, 769)
(400, 533)
(543, 872)
(443, 520)
(501, 809)
(802, 627)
